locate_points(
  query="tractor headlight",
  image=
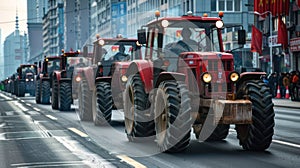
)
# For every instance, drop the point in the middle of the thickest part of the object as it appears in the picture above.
(77, 78)
(124, 78)
(234, 76)
(219, 24)
(206, 77)
(26, 80)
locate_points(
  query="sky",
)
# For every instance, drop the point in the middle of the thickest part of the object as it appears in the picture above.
(8, 12)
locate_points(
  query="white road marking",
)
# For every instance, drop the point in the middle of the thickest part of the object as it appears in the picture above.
(36, 109)
(20, 106)
(131, 161)
(22, 100)
(278, 141)
(5, 97)
(76, 131)
(28, 104)
(51, 117)
(286, 143)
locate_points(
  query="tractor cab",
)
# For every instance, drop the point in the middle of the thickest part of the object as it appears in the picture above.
(109, 51)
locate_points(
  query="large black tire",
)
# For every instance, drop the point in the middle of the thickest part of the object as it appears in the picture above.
(54, 95)
(220, 133)
(65, 96)
(139, 124)
(45, 92)
(258, 135)
(104, 103)
(173, 121)
(85, 101)
(38, 92)
(20, 87)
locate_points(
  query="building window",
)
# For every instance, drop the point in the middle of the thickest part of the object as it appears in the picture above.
(226, 5)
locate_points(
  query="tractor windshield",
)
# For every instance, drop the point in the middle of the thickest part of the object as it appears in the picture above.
(78, 62)
(119, 52)
(195, 39)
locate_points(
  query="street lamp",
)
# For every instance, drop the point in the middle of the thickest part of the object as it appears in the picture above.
(270, 44)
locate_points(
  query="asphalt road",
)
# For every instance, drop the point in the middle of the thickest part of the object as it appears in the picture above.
(33, 135)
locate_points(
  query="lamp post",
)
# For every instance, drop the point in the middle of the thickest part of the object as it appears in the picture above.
(270, 42)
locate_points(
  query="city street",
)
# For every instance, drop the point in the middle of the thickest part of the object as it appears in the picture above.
(33, 135)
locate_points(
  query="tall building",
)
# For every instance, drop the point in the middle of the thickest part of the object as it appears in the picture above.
(13, 51)
(76, 29)
(36, 9)
(53, 28)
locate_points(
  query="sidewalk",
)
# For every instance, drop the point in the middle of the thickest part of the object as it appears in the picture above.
(288, 103)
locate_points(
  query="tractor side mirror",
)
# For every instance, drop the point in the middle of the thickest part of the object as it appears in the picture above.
(141, 36)
(241, 37)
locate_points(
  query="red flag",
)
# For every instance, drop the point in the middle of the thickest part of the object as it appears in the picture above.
(256, 40)
(282, 34)
(260, 6)
(298, 3)
(283, 7)
(267, 5)
(273, 7)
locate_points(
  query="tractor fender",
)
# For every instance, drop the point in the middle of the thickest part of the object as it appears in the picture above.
(163, 76)
(103, 79)
(89, 74)
(145, 69)
(246, 76)
(56, 75)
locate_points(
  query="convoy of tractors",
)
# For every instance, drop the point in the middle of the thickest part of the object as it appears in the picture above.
(174, 79)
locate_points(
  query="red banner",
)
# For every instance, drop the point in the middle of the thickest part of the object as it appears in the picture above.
(256, 41)
(283, 7)
(273, 7)
(282, 34)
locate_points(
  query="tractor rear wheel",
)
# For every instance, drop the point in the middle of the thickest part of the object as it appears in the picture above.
(85, 102)
(104, 103)
(173, 120)
(220, 133)
(139, 124)
(65, 96)
(45, 92)
(54, 96)
(38, 92)
(258, 135)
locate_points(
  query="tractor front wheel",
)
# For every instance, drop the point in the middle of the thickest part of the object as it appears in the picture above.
(85, 101)
(65, 96)
(104, 103)
(258, 135)
(173, 119)
(54, 96)
(139, 124)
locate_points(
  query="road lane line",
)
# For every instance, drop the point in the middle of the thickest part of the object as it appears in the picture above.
(5, 97)
(51, 117)
(36, 109)
(28, 104)
(131, 161)
(20, 106)
(286, 143)
(22, 100)
(76, 131)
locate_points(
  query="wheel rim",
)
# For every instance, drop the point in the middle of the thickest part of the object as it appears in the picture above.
(161, 123)
(129, 115)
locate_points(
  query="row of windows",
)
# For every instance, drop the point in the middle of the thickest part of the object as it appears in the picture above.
(226, 5)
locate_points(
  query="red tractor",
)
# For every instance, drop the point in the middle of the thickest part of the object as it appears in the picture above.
(111, 57)
(43, 80)
(189, 82)
(62, 79)
(25, 80)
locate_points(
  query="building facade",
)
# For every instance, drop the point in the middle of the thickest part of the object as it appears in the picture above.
(14, 51)
(76, 23)
(53, 28)
(35, 12)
